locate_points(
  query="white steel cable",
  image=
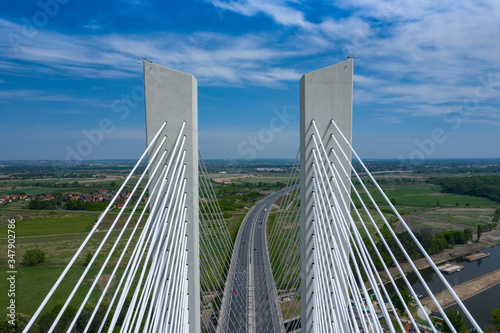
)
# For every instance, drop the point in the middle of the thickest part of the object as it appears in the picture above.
(426, 255)
(129, 280)
(337, 176)
(390, 252)
(339, 272)
(343, 271)
(155, 247)
(70, 264)
(111, 252)
(108, 284)
(431, 295)
(138, 251)
(343, 226)
(159, 268)
(378, 253)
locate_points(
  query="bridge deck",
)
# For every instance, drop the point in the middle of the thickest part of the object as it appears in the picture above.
(259, 314)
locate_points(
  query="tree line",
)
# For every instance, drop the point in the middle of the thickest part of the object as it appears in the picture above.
(432, 244)
(478, 186)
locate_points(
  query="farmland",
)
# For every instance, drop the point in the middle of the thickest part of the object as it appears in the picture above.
(59, 231)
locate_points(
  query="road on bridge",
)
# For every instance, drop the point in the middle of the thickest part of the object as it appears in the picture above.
(252, 305)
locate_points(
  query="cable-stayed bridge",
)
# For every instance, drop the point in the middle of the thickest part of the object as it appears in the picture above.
(318, 263)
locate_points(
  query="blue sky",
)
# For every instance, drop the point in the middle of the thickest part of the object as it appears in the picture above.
(427, 84)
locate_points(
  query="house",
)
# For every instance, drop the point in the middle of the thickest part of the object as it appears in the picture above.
(88, 199)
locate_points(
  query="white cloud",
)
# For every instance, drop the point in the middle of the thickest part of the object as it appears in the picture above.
(277, 9)
(415, 56)
(423, 54)
(215, 59)
(31, 95)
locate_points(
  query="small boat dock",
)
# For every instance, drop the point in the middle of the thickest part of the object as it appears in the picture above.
(477, 256)
(450, 267)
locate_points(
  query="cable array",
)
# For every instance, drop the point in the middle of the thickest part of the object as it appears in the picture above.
(139, 266)
(350, 294)
(141, 260)
(215, 251)
(283, 243)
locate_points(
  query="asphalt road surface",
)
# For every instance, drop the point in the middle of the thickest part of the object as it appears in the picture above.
(252, 307)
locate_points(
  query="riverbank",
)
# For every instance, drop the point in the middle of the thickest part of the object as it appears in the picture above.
(463, 291)
(488, 239)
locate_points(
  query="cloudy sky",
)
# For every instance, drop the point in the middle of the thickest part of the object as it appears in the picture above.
(427, 84)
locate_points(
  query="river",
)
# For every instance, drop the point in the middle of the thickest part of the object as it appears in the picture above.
(480, 305)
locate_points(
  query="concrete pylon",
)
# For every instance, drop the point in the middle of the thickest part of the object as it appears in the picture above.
(172, 96)
(325, 94)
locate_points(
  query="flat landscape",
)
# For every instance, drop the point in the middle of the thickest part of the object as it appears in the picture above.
(58, 229)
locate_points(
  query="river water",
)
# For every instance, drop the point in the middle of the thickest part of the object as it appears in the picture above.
(480, 305)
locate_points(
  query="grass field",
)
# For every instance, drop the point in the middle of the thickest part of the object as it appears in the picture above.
(424, 196)
(59, 237)
(59, 233)
(423, 204)
(34, 190)
(467, 216)
(33, 283)
(51, 226)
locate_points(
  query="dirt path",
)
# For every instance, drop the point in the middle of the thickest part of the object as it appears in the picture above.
(464, 290)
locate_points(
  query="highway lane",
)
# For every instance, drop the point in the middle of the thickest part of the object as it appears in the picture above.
(251, 306)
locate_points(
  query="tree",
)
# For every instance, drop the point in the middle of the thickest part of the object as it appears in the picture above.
(396, 301)
(45, 321)
(450, 237)
(479, 229)
(33, 257)
(386, 258)
(468, 233)
(495, 317)
(19, 323)
(459, 237)
(88, 258)
(455, 317)
(41, 205)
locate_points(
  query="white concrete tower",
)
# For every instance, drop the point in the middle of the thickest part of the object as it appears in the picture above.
(325, 94)
(172, 96)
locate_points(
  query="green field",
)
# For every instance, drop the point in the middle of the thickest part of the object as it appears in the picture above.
(51, 226)
(33, 283)
(423, 196)
(59, 233)
(34, 190)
